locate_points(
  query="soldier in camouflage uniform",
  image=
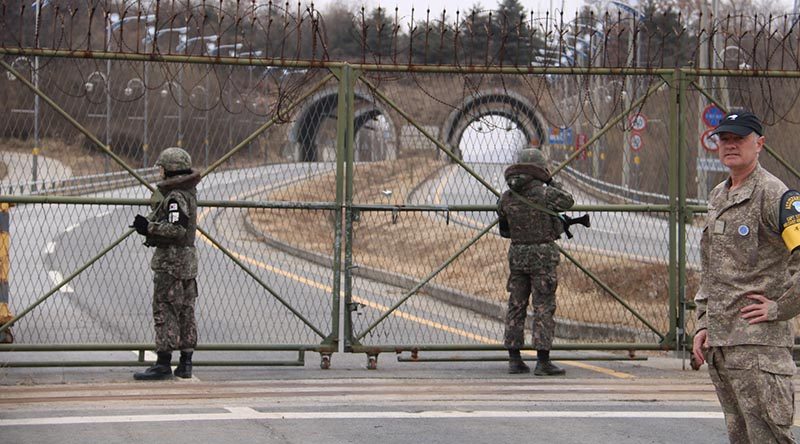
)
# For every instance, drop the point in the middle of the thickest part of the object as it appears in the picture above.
(749, 289)
(532, 257)
(170, 228)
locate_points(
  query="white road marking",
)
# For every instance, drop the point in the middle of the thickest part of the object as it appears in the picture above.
(246, 413)
(102, 214)
(57, 278)
(50, 248)
(72, 227)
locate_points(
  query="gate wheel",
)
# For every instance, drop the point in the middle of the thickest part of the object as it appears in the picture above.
(372, 362)
(325, 361)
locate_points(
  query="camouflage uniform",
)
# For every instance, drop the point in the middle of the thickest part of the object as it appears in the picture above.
(170, 228)
(532, 256)
(172, 231)
(751, 365)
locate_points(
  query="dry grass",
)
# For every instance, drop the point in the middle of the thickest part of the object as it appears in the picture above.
(3, 170)
(416, 245)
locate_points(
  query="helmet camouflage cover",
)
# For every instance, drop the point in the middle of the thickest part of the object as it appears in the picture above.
(174, 159)
(533, 156)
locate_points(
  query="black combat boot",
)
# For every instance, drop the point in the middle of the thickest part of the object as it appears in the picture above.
(160, 370)
(544, 366)
(515, 363)
(184, 368)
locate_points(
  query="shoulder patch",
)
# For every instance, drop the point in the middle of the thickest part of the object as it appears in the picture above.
(789, 219)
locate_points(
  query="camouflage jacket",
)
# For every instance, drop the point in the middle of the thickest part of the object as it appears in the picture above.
(527, 224)
(533, 231)
(742, 253)
(172, 227)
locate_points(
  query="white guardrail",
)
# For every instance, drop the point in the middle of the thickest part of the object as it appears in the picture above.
(619, 193)
(80, 184)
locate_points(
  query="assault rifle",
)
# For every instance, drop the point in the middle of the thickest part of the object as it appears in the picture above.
(567, 222)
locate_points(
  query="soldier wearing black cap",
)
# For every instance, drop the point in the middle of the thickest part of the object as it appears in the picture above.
(749, 289)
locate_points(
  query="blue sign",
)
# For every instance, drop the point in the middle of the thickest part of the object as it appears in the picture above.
(561, 136)
(712, 116)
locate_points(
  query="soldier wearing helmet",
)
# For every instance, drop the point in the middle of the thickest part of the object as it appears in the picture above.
(170, 228)
(532, 256)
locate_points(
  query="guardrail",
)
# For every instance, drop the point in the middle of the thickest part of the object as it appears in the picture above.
(619, 193)
(80, 184)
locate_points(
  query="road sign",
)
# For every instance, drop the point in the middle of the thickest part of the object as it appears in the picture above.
(709, 143)
(638, 121)
(560, 136)
(636, 141)
(580, 141)
(712, 115)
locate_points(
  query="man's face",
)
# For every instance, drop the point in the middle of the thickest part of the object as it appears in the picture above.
(739, 152)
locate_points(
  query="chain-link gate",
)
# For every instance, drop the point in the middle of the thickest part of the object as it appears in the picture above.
(349, 207)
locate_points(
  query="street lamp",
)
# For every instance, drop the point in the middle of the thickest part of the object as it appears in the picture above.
(133, 85)
(37, 7)
(204, 91)
(89, 86)
(626, 151)
(151, 36)
(35, 151)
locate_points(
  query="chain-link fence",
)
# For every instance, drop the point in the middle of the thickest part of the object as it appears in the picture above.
(352, 207)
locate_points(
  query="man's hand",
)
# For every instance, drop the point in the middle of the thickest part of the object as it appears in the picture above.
(140, 223)
(699, 345)
(760, 311)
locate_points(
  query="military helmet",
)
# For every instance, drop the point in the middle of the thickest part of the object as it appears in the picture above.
(534, 156)
(174, 159)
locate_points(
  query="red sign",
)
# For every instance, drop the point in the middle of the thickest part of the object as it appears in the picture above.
(638, 121)
(580, 142)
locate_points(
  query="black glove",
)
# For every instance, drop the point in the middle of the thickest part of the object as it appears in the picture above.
(140, 223)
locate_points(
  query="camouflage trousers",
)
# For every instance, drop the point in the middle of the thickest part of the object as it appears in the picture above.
(173, 313)
(541, 285)
(755, 391)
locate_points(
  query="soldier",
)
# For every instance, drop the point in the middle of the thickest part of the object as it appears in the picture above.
(749, 289)
(532, 256)
(170, 228)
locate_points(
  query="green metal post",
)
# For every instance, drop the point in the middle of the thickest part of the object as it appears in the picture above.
(337, 214)
(683, 216)
(349, 126)
(677, 212)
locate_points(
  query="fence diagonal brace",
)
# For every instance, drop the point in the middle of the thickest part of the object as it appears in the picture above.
(266, 125)
(67, 280)
(237, 261)
(610, 291)
(77, 125)
(427, 279)
(428, 135)
(609, 125)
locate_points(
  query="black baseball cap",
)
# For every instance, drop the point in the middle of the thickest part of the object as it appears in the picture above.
(740, 123)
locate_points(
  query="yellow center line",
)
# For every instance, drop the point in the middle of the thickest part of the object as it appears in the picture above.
(380, 307)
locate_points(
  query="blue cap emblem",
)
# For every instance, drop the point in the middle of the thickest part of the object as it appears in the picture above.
(743, 230)
(796, 205)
